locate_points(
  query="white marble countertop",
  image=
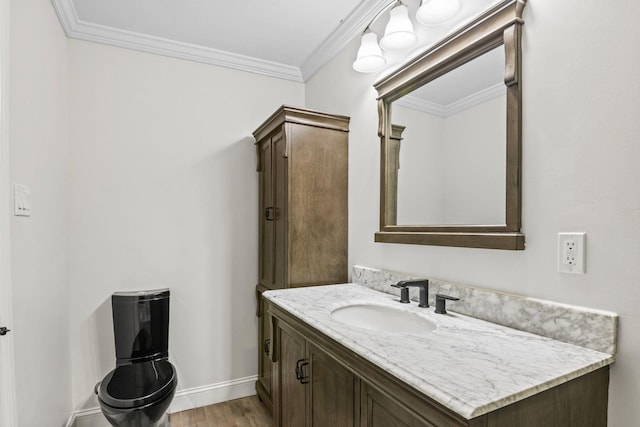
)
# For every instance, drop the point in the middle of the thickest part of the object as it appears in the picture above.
(468, 365)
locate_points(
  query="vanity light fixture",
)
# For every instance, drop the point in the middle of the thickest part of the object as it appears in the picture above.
(399, 33)
(436, 12)
(370, 57)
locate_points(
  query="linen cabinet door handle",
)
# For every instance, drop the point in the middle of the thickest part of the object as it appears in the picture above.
(268, 214)
(266, 346)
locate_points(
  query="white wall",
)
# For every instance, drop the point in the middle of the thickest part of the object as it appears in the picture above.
(164, 194)
(474, 163)
(421, 171)
(452, 168)
(580, 173)
(39, 159)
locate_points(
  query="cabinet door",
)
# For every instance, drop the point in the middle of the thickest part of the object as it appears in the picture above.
(272, 211)
(378, 410)
(265, 212)
(290, 410)
(330, 393)
(280, 195)
(317, 205)
(265, 366)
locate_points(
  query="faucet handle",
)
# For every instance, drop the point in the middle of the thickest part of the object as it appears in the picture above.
(404, 293)
(441, 301)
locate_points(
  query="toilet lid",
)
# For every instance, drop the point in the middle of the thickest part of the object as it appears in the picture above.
(137, 384)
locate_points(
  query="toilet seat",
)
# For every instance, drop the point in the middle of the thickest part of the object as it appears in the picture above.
(137, 384)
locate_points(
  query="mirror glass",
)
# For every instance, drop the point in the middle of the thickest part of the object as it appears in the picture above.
(451, 156)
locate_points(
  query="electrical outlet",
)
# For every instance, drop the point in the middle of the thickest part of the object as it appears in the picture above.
(571, 253)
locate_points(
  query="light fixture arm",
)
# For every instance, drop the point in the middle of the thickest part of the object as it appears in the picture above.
(383, 10)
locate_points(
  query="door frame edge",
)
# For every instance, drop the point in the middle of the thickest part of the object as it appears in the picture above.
(8, 417)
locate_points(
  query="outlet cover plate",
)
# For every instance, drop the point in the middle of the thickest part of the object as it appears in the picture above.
(571, 253)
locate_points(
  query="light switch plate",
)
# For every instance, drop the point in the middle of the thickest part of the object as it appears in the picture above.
(21, 200)
(571, 253)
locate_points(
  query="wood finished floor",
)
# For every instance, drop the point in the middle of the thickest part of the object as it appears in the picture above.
(245, 412)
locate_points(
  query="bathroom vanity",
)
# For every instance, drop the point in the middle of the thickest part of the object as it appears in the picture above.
(352, 354)
(331, 370)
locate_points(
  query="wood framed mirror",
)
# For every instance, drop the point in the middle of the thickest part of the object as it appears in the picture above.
(451, 154)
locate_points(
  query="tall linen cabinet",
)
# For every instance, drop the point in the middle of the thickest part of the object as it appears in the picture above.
(303, 211)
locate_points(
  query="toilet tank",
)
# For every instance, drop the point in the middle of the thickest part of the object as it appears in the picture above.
(140, 325)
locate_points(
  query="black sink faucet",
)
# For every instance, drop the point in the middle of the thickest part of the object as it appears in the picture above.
(404, 286)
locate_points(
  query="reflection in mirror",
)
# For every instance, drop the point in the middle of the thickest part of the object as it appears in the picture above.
(452, 156)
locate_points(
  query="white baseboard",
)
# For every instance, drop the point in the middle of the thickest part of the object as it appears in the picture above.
(184, 399)
(71, 422)
(88, 418)
(215, 393)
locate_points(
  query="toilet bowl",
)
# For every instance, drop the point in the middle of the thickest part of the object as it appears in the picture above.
(138, 392)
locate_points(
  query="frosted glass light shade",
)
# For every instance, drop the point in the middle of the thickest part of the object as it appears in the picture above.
(399, 31)
(436, 12)
(370, 57)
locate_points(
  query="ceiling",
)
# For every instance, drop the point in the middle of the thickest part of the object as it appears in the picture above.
(289, 39)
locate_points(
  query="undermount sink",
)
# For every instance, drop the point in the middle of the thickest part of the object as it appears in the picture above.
(382, 318)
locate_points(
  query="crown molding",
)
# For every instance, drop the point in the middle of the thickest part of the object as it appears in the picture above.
(440, 110)
(81, 30)
(349, 28)
(414, 103)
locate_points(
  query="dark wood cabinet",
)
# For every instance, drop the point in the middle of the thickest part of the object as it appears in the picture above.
(264, 384)
(385, 401)
(271, 167)
(312, 389)
(302, 210)
(381, 411)
(330, 391)
(290, 398)
(318, 382)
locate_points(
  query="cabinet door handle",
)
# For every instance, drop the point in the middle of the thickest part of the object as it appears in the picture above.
(268, 214)
(266, 345)
(300, 375)
(305, 378)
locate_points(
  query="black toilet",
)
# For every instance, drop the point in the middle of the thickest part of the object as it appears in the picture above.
(138, 392)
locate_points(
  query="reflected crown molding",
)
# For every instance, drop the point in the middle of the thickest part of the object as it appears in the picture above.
(416, 103)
